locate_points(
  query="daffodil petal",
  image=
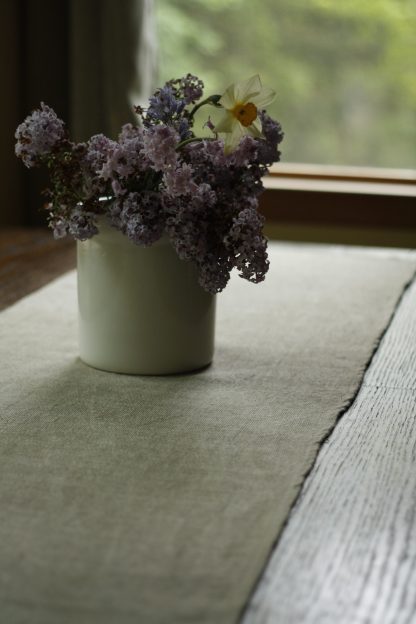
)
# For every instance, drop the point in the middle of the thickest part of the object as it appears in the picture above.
(225, 124)
(246, 90)
(265, 97)
(233, 138)
(228, 100)
(238, 131)
(255, 129)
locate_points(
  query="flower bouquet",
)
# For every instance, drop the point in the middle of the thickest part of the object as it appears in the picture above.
(161, 182)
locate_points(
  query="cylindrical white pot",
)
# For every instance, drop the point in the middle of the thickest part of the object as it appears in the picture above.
(141, 309)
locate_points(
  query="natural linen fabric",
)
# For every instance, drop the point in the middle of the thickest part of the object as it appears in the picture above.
(157, 500)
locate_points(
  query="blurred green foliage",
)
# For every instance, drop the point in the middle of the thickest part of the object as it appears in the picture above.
(344, 70)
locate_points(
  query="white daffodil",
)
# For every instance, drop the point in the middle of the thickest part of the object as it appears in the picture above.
(241, 102)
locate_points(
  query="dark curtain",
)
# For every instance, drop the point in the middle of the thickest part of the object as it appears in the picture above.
(88, 59)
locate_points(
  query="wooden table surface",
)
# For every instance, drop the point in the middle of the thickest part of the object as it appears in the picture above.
(29, 259)
(347, 554)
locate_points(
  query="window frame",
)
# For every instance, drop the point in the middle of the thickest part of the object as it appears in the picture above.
(308, 194)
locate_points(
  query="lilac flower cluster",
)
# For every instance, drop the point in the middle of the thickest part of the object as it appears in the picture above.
(166, 108)
(157, 178)
(189, 88)
(38, 135)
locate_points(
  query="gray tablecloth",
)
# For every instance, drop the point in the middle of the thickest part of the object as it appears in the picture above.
(157, 500)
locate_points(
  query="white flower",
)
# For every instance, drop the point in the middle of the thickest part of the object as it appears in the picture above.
(241, 102)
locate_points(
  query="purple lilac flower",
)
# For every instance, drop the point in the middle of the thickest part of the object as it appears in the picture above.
(195, 225)
(247, 244)
(209, 163)
(187, 234)
(59, 227)
(218, 227)
(189, 87)
(183, 128)
(205, 195)
(209, 124)
(214, 272)
(139, 216)
(71, 178)
(185, 224)
(98, 150)
(128, 131)
(126, 159)
(179, 181)
(193, 88)
(99, 147)
(267, 149)
(164, 107)
(167, 106)
(245, 153)
(117, 188)
(38, 135)
(213, 152)
(159, 146)
(80, 224)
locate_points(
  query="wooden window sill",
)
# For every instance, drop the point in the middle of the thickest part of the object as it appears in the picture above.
(340, 196)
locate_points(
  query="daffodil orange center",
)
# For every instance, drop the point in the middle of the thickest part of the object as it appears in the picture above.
(245, 113)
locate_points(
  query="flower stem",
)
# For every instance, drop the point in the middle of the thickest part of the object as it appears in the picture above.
(212, 99)
(193, 140)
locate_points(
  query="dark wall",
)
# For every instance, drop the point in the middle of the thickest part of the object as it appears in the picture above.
(33, 67)
(79, 56)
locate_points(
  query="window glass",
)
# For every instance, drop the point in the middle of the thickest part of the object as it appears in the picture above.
(344, 71)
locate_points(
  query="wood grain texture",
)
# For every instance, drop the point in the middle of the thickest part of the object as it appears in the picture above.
(29, 259)
(348, 552)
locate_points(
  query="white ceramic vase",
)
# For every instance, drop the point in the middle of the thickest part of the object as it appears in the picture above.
(141, 309)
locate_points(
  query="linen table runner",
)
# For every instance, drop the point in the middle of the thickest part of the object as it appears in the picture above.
(157, 500)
